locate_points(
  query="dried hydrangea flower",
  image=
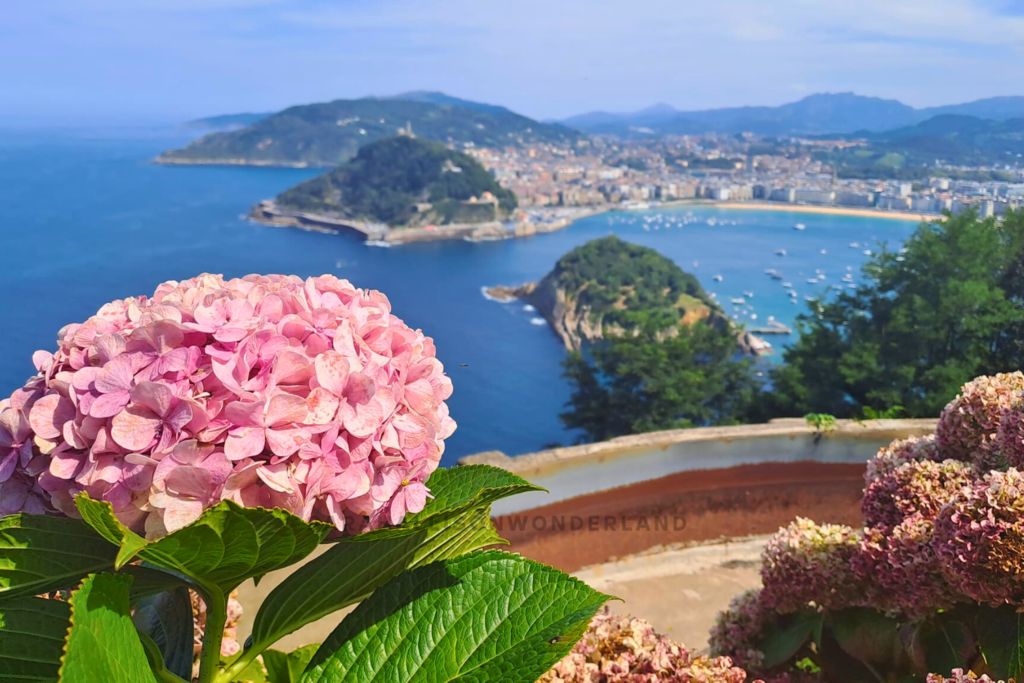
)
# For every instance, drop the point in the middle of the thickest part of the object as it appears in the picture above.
(914, 488)
(810, 563)
(739, 630)
(306, 395)
(979, 538)
(958, 676)
(900, 571)
(618, 649)
(969, 424)
(899, 452)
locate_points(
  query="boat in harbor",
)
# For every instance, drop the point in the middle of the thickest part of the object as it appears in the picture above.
(799, 226)
(749, 295)
(718, 278)
(787, 284)
(780, 252)
(739, 301)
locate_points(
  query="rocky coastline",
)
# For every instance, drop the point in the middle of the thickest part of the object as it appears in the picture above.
(575, 326)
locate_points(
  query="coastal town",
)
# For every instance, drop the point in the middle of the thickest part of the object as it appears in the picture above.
(739, 170)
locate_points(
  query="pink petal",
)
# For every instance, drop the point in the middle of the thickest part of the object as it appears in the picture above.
(286, 441)
(332, 370)
(180, 513)
(276, 477)
(360, 388)
(321, 407)
(115, 376)
(157, 397)
(65, 465)
(362, 420)
(244, 443)
(245, 413)
(134, 428)
(7, 465)
(285, 409)
(187, 481)
(49, 414)
(109, 405)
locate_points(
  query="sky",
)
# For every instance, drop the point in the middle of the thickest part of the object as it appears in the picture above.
(142, 61)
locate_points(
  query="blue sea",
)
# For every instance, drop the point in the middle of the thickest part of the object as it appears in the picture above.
(86, 218)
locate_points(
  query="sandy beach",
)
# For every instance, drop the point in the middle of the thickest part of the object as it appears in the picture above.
(833, 210)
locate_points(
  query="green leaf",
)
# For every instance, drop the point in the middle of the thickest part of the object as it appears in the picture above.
(786, 639)
(1001, 640)
(456, 486)
(223, 548)
(459, 522)
(32, 634)
(287, 667)
(487, 616)
(40, 554)
(939, 644)
(102, 644)
(166, 618)
(867, 635)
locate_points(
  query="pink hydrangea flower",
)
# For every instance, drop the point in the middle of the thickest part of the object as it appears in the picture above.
(308, 395)
(958, 676)
(739, 630)
(968, 427)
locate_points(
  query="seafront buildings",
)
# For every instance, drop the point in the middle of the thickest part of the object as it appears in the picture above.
(605, 172)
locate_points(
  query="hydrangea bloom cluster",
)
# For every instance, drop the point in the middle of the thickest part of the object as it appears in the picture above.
(807, 562)
(619, 649)
(968, 427)
(980, 539)
(1010, 435)
(958, 676)
(899, 452)
(739, 629)
(900, 571)
(914, 488)
(306, 395)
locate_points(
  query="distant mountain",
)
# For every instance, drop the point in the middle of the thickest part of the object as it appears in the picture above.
(822, 113)
(228, 121)
(953, 139)
(330, 133)
(816, 114)
(403, 181)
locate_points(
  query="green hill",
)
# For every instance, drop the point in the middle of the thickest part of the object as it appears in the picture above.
(404, 181)
(330, 133)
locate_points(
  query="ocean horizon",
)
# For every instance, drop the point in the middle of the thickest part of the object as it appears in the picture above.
(89, 219)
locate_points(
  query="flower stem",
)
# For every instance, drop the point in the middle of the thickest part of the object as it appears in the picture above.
(213, 634)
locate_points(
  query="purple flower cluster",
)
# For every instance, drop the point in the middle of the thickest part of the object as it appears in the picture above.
(958, 676)
(810, 563)
(969, 425)
(273, 391)
(920, 488)
(619, 649)
(979, 537)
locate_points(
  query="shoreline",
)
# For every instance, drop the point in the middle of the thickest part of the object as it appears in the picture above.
(828, 210)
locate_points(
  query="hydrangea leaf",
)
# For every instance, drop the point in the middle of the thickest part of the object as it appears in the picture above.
(225, 546)
(102, 644)
(486, 616)
(867, 634)
(1001, 639)
(40, 554)
(166, 618)
(458, 522)
(941, 643)
(32, 634)
(785, 640)
(454, 486)
(287, 667)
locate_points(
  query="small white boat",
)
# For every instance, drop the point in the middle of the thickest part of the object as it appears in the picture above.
(780, 252)
(738, 301)
(812, 280)
(824, 251)
(792, 293)
(799, 226)
(718, 278)
(753, 316)
(854, 245)
(787, 284)
(867, 252)
(809, 298)
(749, 295)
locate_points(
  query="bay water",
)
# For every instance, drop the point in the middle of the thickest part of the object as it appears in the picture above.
(86, 218)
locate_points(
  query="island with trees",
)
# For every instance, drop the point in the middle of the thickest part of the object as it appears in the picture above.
(649, 348)
(399, 189)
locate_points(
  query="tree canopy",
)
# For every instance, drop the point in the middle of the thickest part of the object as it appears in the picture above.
(648, 381)
(928, 318)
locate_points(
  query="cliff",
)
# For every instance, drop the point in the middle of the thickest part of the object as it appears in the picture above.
(609, 287)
